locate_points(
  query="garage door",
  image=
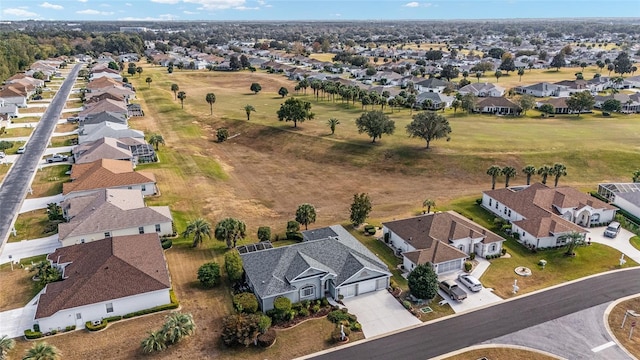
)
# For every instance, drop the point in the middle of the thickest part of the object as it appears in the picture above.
(449, 266)
(366, 286)
(348, 291)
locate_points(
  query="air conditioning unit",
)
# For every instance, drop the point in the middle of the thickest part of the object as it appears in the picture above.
(96, 322)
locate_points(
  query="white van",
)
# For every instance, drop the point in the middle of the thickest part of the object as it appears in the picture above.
(470, 282)
(612, 230)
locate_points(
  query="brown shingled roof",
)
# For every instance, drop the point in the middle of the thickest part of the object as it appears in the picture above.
(105, 270)
(105, 173)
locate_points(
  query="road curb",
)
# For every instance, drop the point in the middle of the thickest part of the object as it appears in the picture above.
(491, 346)
(606, 314)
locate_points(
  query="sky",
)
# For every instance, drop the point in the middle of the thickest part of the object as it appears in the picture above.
(189, 10)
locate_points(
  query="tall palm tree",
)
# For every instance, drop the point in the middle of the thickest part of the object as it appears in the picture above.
(529, 170)
(305, 215)
(230, 230)
(248, 109)
(148, 81)
(154, 342)
(508, 172)
(429, 203)
(155, 140)
(557, 171)
(573, 240)
(332, 124)
(211, 99)
(42, 351)
(178, 326)
(520, 73)
(494, 171)
(544, 171)
(175, 88)
(199, 228)
(6, 344)
(182, 95)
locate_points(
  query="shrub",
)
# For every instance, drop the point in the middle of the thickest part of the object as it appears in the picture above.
(293, 226)
(36, 327)
(294, 235)
(478, 201)
(356, 326)
(386, 237)
(113, 318)
(336, 316)
(503, 251)
(267, 339)
(516, 236)
(423, 282)
(245, 302)
(472, 256)
(304, 312)
(172, 297)
(29, 334)
(282, 304)
(151, 310)
(209, 274)
(222, 134)
(91, 327)
(336, 334)
(70, 328)
(240, 329)
(264, 323)
(166, 244)
(406, 304)
(467, 266)
(233, 265)
(264, 233)
(315, 308)
(324, 301)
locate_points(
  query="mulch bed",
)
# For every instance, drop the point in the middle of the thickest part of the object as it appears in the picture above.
(299, 319)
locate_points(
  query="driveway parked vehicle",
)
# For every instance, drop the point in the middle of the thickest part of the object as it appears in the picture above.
(2, 154)
(453, 290)
(57, 158)
(612, 230)
(20, 150)
(470, 282)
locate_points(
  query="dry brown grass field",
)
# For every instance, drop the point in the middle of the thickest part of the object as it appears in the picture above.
(622, 334)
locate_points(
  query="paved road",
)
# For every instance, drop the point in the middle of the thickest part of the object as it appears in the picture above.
(16, 183)
(511, 316)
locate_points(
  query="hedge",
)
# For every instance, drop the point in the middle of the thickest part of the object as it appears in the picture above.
(113, 318)
(151, 310)
(30, 334)
(91, 327)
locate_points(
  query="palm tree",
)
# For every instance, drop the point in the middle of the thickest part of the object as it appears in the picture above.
(182, 95)
(6, 344)
(520, 73)
(558, 170)
(544, 170)
(177, 327)
(529, 170)
(230, 230)
(139, 70)
(175, 88)
(478, 75)
(148, 81)
(508, 172)
(494, 171)
(155, 140)
(248, 109)
(429, 203)
(305, 215)
(154, 342)
(42, 351)
(498, 75)
(332, 124)
(573, 240)
(199, 228)
(211, 99)
(636, 176)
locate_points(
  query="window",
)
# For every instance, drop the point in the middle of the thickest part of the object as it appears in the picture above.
(158, 228)
(307, 291)
(490, 202)
(107, 234)
(492, 248)
(144, 187)
(79, 316)
(509, 212)
(496, 204)
(141, 230)
(505, 209)
(129, 187)
(109, 307)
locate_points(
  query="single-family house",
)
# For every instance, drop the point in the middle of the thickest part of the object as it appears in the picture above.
(105, 105)
(10, 95)
(102, 83)
(433, 101)
(443, 239)
(107, 129)
(630, 102)
(482, 90)
(330, 263)
(106, 72)
(111, 277)
(623, 195)
(497, 105)
(9, 110)
(107, 174)
(102, 117)
(431, 85)
(141, 151)
(541, 215)
(559, 105)
(105, 148)
(111, 212)
(542, 89)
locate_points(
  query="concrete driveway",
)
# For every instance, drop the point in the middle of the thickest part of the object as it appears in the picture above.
(29, 248)
(379, 313)
(14, 322)
(474, 300)
(620, 242)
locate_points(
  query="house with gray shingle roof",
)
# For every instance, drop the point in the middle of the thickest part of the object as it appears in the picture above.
(332, 266)
(443, 239)
(105, 278)
(541, 216)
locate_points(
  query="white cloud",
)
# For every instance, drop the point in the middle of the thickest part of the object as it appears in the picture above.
(191, 12)
(20, 13)
(261, 2)
(217, 4)
(94, 12)
(128, 4)
(105, 5)
(166, 1)
(84, 1)
(51, 6)
(164, 17)
(412, 4)
(246, 8)
(337, 15)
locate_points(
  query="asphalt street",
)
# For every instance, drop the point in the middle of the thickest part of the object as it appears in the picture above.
(16, 183)
(472, 328)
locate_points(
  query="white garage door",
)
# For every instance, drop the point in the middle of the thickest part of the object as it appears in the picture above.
(366, 286)
(348, 291)
(448, 266)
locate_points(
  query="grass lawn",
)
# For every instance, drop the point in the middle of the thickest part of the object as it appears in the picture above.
(622, 335)
(33, 110)
(16, 146)
(635, 241)
(4, 169)
(65, 127)
(17, 132)
(68, 140)
(48, 181)
(27, 119)
(19, 281)
(500, 353)
(32, 225)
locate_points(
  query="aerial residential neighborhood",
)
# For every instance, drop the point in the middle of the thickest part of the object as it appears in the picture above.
(212, 187)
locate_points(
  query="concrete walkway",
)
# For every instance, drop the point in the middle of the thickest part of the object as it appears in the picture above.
(17, 138)
(21, 125)
(14, 322)
(29, 248)
(379, 313)
(73, 132)
(581, 335)
(620, 242)
(40, 203)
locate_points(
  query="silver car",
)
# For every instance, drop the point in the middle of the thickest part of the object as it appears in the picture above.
(470, 282)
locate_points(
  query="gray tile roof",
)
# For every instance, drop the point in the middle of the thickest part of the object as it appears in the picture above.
(271, 270)
(316, 234)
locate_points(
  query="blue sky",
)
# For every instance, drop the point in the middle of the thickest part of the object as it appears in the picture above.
(311, 9)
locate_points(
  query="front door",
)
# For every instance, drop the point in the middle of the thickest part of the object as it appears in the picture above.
(79, 322)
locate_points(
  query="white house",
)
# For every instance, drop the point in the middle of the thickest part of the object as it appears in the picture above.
(541, 215)
(444, 239)
(543, 89)
(624, 195)
(105, 278)
(482, 90)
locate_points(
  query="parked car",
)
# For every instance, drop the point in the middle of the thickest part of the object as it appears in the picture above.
(2, 154)
(20, 150)
(57, 158)
(73, 119)
(612, 230)
(470, 282)
(453, 290)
